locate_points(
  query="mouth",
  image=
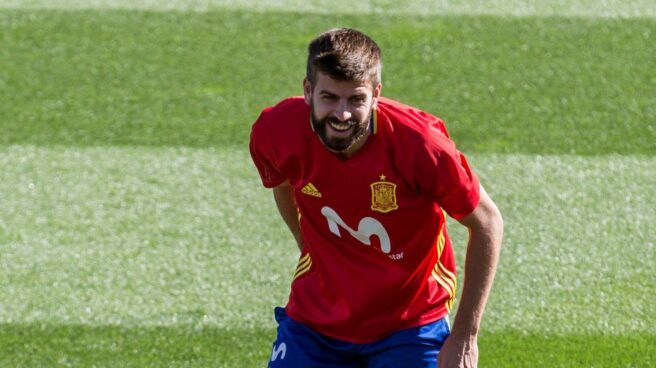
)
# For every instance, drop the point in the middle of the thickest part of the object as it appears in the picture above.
(341, 126)
(338, 135)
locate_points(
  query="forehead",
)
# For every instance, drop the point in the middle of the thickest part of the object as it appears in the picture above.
(325, 83)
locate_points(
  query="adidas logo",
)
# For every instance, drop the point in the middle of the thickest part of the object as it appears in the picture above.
(310, 189)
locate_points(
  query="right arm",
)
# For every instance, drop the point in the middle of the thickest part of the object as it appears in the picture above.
(284, 196)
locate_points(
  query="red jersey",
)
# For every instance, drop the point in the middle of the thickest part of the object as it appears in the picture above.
(376, 256)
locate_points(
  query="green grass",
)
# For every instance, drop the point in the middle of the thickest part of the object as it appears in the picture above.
(529, 85)
(135, 232)
(138, 241)
(115, 346)
(138, 236)
(585, 8)
(512, 349)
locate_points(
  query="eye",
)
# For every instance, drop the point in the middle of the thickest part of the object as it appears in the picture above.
(328, 97)
(359, 99)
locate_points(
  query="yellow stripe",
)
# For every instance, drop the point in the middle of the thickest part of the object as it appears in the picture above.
(440, 280)
(439, 267)
(448, 273)
(303, 261)
(440, 242)
(302, 271)
(303, 266)
(452, 295)
(444, 275)
(449, 302)
(445, 279)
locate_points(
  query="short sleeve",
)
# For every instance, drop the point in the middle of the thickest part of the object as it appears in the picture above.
(446, 175)
(458, 191)
(264, 156)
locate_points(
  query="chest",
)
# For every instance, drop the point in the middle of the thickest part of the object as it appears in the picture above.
(373, 186)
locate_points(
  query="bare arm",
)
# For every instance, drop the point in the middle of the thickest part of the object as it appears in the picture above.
(284, 196)
(485, 227)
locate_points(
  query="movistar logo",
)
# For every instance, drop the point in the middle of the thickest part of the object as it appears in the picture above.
(367, 227)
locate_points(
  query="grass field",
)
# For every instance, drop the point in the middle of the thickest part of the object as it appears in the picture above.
(134, 230)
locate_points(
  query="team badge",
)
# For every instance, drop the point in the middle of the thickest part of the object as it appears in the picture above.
(383, 196)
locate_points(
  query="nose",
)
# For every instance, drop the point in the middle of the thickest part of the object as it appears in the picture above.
(342, 112)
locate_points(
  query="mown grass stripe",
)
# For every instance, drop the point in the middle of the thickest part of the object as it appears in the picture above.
(38, 345)
(589, 8)
(142, 236)
(503, 85)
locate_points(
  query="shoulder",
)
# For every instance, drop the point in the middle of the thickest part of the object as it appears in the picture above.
(412, 126)
(288, 111)
(283, 120)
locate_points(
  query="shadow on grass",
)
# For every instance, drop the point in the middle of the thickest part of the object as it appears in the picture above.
(104, 346)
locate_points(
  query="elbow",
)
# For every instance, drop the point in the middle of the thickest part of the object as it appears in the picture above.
(492, 223)
(496, 225)
(496, 218)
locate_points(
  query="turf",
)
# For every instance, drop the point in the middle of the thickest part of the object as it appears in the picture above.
(529, 85)
(137, 236)
(582, 8)
(138, 241)
(134, 231)
(42, 345)
(115, 346)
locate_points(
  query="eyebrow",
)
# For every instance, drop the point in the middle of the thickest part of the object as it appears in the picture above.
(356, 95)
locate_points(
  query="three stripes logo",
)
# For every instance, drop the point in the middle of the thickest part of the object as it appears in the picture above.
(444, 277)
(303, 266)
(311, 190)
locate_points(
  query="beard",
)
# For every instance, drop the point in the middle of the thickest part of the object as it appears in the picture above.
(358, 130)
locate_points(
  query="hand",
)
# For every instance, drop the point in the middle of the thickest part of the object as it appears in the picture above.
(459, 353)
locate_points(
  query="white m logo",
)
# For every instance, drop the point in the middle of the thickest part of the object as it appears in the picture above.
(367, 227)
(281, 351)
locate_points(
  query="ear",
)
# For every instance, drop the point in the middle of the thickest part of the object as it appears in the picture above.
(376, 95)
(307, 91)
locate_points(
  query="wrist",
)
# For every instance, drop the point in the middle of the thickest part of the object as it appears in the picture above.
(465, 329)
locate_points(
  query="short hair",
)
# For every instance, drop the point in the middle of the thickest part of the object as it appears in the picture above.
(345, 55)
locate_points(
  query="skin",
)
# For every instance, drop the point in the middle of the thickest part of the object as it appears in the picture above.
(485, 226)
(341, 103)
(347, 101)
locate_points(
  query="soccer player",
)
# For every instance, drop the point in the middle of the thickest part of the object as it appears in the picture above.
(364, 183)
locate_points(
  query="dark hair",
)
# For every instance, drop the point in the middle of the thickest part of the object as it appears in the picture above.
(344, 54)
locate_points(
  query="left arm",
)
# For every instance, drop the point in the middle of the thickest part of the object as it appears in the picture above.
(485, 226)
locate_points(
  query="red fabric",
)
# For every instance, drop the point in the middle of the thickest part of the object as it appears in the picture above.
(348, 289)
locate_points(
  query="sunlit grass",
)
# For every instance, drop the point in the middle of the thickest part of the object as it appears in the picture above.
(572, 8)
(530, 85)
(185, 238)
(131, 236)
(134, 231)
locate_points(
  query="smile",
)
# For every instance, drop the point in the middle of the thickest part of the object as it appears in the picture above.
(340, 126)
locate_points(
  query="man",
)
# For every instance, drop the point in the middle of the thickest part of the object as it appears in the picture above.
(364, 184)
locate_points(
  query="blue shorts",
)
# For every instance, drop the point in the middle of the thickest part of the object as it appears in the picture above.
(299, 346)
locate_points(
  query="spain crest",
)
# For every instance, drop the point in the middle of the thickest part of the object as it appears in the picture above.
(383, 196)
